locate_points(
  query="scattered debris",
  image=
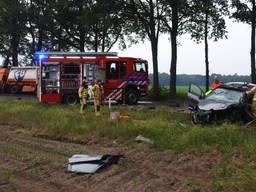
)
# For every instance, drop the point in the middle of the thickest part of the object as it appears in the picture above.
(183, 125)
(91, 163)
(142, 139)
(152, 107)
(124, 117)
(114, 115)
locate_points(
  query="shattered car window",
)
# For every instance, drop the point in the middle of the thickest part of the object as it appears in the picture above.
(225, 95)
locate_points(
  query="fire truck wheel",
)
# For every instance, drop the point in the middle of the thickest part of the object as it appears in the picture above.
(15, 89)
(131, 97)
(71, 99)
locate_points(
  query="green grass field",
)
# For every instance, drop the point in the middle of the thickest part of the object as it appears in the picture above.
(165, 94)
(168, 129)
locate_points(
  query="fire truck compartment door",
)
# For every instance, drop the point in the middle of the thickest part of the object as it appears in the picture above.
(100, 74)
(112, 74)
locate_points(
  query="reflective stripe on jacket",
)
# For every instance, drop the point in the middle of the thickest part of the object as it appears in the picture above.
(83, 92)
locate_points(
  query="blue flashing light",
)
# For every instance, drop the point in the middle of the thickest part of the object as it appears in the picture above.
(39, 56)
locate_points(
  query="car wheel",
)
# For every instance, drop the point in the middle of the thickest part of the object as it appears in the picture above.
(71, 99)
(131, 97)
(194, 117)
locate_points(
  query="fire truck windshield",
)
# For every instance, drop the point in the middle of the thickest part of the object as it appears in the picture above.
(140, 67)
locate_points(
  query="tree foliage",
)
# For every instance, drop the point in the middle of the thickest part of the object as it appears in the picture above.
(245, 11)
(207, 22)
(12, 30)
(53, 25)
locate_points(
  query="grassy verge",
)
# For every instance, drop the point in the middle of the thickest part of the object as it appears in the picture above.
(165, 93)
(168, 129)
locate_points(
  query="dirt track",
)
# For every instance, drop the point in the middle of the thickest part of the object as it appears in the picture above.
(39, 164)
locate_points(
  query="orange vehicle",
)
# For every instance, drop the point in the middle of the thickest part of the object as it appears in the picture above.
(125, 79)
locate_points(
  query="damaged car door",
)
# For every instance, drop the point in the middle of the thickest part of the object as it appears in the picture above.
(195, 94)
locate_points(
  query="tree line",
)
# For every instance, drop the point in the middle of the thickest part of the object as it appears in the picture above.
(27, 26)
(185, 80)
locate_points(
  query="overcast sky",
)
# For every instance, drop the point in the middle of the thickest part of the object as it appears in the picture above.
(227, 56)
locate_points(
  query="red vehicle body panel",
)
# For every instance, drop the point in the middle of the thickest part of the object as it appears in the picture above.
(51, 98)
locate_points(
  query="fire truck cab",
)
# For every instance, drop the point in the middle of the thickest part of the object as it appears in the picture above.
(124, 79)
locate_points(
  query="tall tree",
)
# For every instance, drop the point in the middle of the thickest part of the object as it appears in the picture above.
(245, 11)
(174, 19)
(146, 22)
(207, 22)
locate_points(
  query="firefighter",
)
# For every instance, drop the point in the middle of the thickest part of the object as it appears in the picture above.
(252, 92)
(83, 95)
(216, 83)
(96, 91)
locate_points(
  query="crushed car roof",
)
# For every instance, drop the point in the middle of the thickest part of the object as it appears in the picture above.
(240, 86)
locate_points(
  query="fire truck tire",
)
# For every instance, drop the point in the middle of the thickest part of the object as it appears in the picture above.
(131, 97)
(71, 99)
(15, 89)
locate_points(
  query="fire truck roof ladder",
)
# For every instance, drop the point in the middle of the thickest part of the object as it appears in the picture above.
(77, 54)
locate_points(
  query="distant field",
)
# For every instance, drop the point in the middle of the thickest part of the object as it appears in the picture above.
(168, 129)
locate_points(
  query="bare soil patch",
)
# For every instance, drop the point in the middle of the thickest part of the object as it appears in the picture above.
(39, 164)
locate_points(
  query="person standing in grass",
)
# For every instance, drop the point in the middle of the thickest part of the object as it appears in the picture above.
(252, 92)
(96, 91)
(83, 95)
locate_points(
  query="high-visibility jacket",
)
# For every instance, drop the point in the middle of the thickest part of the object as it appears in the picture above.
(97, 91)
(83, 93)
(253, 92)
(215, 85)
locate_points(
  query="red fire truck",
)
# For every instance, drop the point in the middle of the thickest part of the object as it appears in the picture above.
(125, 79)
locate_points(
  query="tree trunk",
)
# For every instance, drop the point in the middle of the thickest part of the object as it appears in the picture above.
(40, 40)
(60, 44)
(206, 52)
(104, 35)
(253, 25)
(6, 61)
(81, 41)
(81, 45)
(14, 48)
(154, 48)
(174, 33)
(96, 39)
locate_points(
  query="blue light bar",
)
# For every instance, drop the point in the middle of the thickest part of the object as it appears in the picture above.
(40, 55)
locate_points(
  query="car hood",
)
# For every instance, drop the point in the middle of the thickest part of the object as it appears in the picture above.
(208, 105)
